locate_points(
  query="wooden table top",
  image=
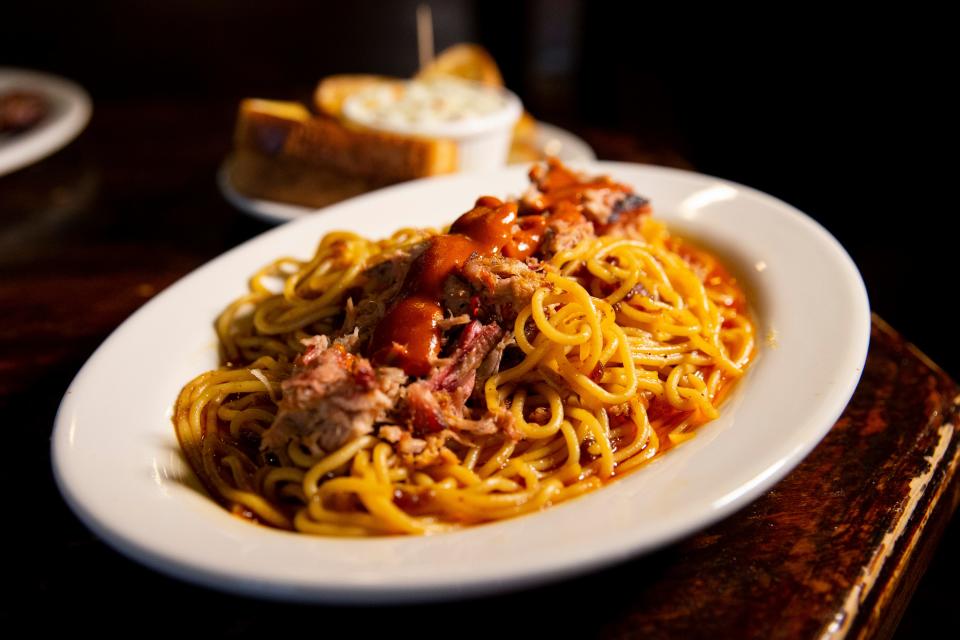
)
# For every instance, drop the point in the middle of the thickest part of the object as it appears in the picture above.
(88, 235)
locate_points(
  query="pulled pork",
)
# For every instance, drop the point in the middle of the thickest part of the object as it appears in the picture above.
(439, 402)
(469, 292)
(491, 287)
(435, 408)
(381, 283)
(332, 397)
(562, 234)
(626, 214)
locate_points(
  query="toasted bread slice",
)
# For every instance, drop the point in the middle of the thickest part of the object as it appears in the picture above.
(291, 180)
(332, 91)
(467, 61)
(282, 152)
(280, 129)
(384, 157)
(265, 125)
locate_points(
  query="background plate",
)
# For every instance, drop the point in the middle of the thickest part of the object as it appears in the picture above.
(69, 112)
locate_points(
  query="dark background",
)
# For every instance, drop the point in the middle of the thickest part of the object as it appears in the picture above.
(840, 115)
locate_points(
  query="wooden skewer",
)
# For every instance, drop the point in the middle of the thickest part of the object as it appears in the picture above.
(425, 34)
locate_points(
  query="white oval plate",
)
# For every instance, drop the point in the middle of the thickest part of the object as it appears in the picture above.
(117, 460)
(69, 112)
(550, 139)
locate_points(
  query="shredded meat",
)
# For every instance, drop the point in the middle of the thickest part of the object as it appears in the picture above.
(454, 321)
(561, 235)
(381, 283)
(459, 371)
(406, 443)
(550, 175)
(438, 403)
(504, 286)
(421, 452)
(332, 397)
(607, 208)
(335, 395)
(491, 363)
(457, 296)
(625, 216)
(432, 449)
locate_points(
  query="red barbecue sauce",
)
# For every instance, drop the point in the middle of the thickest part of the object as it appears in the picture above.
(408, 336)
(562, 189)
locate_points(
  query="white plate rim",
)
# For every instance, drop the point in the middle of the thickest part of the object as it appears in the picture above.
(389, 585)
(71, 106)
(572, 149)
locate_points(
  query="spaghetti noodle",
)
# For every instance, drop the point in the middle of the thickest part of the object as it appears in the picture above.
(538, 349)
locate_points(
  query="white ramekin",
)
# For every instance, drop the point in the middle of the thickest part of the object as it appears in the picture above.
(483, 141)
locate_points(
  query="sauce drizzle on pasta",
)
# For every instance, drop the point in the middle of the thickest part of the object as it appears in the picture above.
(417, 384)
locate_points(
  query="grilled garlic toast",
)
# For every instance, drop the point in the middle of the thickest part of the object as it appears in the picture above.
(287, 131)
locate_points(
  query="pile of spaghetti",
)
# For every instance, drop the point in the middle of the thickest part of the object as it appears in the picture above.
(537, 349)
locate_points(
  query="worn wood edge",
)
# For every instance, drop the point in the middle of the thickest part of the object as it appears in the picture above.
(870, 574)
(889, 580)
(901, 542)
(916, 551)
